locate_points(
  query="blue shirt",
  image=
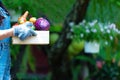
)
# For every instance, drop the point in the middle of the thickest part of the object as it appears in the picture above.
(4, 48)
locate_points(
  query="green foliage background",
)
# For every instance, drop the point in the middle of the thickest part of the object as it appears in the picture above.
(55, 10)
(104, 11)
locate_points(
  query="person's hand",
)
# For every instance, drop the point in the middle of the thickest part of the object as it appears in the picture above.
(24, 31)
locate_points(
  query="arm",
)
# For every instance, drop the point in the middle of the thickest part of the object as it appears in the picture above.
(21, 31)
(6, 33)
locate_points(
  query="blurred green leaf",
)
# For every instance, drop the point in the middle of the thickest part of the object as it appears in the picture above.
(85, 58)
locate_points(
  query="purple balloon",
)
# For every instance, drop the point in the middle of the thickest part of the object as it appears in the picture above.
(42, 24)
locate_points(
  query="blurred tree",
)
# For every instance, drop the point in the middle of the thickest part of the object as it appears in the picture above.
(59, 61)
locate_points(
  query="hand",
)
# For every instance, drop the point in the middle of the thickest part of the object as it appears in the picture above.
(24, 31)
